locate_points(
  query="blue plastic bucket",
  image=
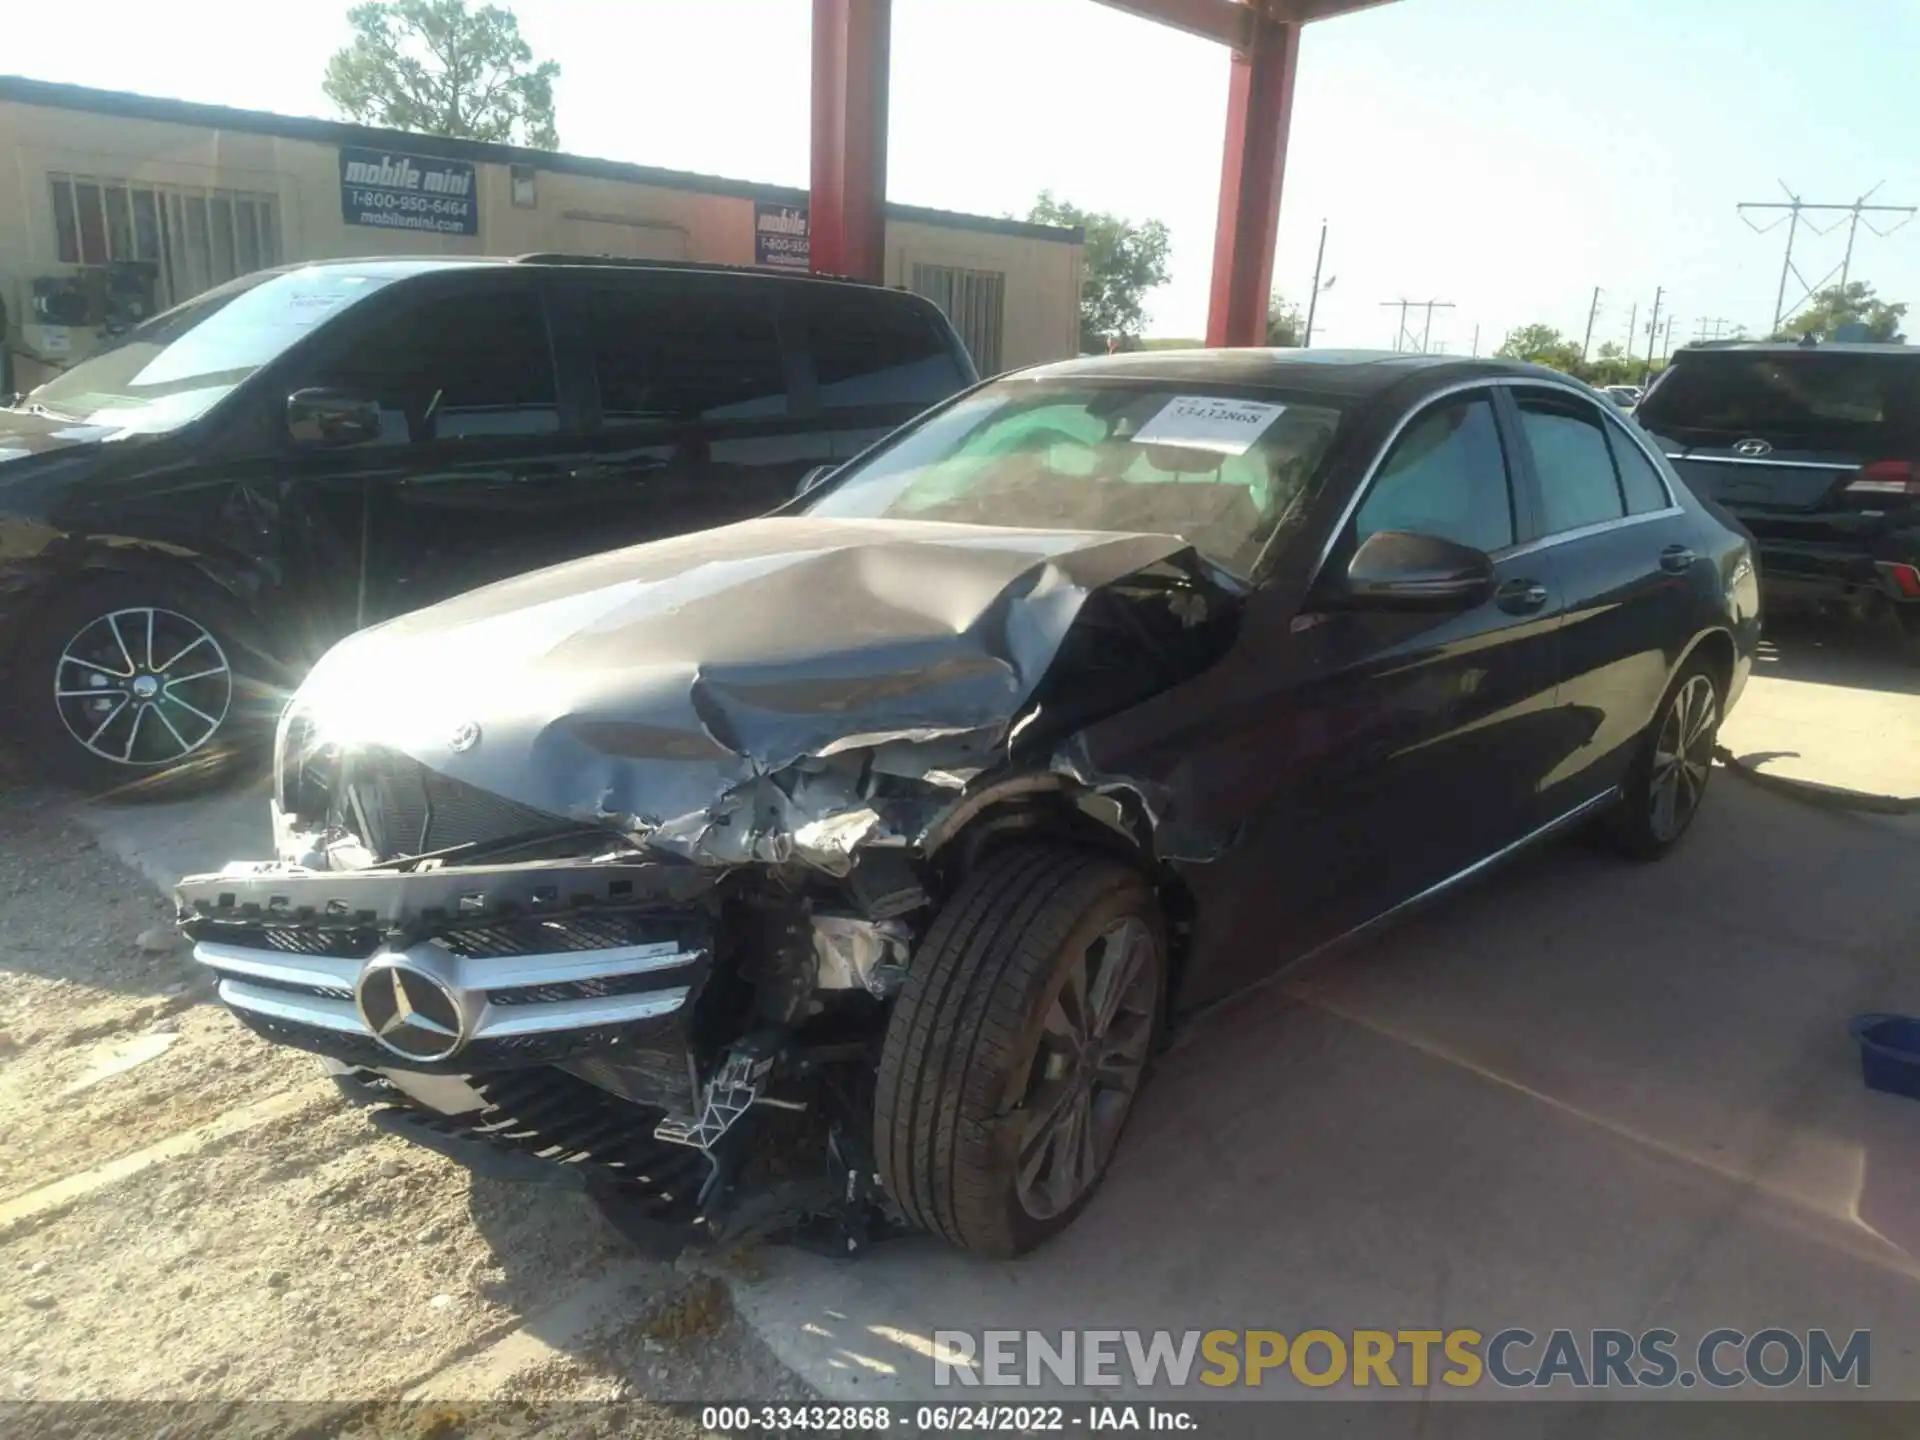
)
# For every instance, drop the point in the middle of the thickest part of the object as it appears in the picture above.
(1889, 1052)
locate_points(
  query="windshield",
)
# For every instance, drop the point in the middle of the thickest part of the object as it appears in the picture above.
(1222, 472)
(177, 365)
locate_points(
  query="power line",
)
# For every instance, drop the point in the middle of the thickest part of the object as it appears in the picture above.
(1797, 209)
(1403, 337)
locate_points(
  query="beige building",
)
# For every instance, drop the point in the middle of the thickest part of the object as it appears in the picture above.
(114, 205)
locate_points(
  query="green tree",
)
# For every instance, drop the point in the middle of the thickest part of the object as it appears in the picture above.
(1285, 324)
(1851, 304)
(438, 68)
(1612, 365)
(1541, 345)
(1122, 263)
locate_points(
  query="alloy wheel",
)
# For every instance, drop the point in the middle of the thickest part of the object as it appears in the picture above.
(1093, 1050)
(143, 687)
(1682, 756)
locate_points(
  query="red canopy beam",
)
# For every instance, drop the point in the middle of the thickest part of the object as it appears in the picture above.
(1264, 36)
(1227, 21)
(1259, 115)
(847, 220)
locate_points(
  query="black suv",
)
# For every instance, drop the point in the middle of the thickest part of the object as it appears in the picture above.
(1814, 448)
(191, 517)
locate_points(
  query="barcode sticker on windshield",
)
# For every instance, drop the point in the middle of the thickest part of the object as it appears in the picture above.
(1205, 422)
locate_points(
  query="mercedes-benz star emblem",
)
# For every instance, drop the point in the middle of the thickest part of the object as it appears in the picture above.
(1753, 449)
(464, 737)
(411, 1013)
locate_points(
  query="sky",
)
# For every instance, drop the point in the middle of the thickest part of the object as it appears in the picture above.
(1507, 156)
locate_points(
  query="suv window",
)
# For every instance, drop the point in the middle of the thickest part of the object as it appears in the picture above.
(1853, 399)
(454, 366)
(1578, 485)
(869, 349)
(1446, 476)
(1646, 492)
(699, 353)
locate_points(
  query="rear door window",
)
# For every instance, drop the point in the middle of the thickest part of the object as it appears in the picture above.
(701, 353)
(872, 350)
(1578, 484)
(1646, 492)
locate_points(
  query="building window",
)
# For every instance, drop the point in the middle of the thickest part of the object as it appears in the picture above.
(974, 300)
(195, 239)
(526, 196)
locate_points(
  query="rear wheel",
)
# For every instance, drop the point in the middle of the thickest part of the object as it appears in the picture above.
(1017, 1045)
(127, 684)
(1668, 779)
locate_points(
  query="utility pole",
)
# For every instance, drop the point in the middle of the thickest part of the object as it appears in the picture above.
(1313, 300)
(1633, 335)
(1476, 342)
(1718, 327)
(1400, 331)
(1797, 209)
(1593, 313)
(1666, 340)
(1403, 336)
(1653, 332)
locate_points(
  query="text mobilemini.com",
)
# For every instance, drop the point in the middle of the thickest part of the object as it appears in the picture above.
(1373, 1360)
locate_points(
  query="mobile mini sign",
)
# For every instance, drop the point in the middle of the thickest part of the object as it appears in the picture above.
(780, 238)
(408, 192)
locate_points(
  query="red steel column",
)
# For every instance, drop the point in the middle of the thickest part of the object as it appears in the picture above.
(1259, 110)
(847, 220)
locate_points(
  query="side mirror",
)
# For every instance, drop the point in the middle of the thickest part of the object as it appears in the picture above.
(812, 479)
(327, 418)
(1400, 570)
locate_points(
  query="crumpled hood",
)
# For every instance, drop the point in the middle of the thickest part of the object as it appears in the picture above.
(645, 683)
(23, 434)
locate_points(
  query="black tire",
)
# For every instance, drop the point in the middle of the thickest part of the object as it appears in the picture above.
(1642, 827)
(976, 1047)
(167, 721)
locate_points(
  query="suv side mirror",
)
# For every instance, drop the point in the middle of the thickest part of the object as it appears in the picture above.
(1401, 570)
(331, 417)
(813, 478)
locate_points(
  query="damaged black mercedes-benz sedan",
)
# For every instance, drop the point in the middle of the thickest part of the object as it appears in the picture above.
(894, 827)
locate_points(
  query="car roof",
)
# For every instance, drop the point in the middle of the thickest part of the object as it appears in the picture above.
(1793, 347)
(399, 267)
(1341, 373)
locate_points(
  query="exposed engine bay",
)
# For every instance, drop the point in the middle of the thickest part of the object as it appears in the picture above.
(609, 874)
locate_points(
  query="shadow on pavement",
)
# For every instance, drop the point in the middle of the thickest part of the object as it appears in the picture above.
(1859, 656)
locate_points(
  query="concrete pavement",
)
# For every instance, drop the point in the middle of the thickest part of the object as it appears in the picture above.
(1833, 705)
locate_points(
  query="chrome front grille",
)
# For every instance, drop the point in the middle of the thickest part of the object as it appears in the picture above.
(531, 989)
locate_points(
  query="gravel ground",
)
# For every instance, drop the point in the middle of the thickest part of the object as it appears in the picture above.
(307, 1259)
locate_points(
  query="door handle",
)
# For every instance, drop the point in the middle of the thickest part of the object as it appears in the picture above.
(1520, 597)
(1676, 559)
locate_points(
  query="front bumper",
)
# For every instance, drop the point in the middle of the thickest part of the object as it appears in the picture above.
(520, 965)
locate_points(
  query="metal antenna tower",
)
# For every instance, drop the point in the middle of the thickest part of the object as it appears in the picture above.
(1403, 338)
(1795, 218)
